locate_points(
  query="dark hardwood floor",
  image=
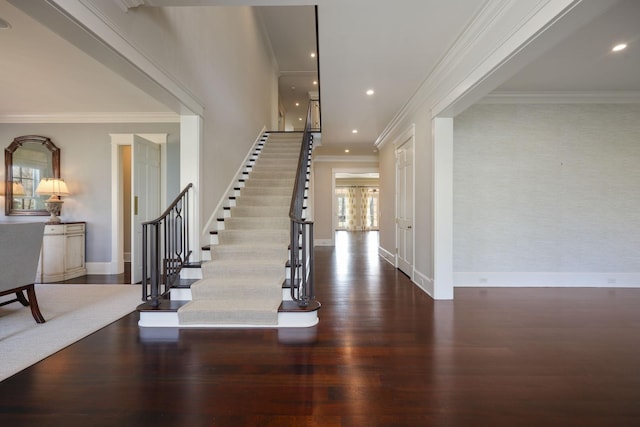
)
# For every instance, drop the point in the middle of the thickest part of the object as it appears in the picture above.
(384, 354)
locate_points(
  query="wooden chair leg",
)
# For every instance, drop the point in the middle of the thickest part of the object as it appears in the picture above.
(35, 310)
(20, 297)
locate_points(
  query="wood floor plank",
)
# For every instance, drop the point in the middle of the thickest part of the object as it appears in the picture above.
(383, 354)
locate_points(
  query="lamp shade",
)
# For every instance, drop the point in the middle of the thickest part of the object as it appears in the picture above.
(17, 189)
(52, 186)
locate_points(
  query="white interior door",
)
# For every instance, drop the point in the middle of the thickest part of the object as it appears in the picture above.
(145, 196)
(404, 206)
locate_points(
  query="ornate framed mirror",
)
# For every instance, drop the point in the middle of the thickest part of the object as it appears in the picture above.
(26, 161)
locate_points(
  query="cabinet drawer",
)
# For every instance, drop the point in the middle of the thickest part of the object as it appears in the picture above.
(53, 229)
(74, 228)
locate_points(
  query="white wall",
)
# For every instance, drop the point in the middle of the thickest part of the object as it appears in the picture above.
(85, 163)
(547, 195)
(222, 57)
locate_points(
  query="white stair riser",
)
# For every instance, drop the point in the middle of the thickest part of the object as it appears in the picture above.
(285, 320)
(191, 273)
(184, 294)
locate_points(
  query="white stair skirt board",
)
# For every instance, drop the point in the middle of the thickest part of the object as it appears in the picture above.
(241, 284)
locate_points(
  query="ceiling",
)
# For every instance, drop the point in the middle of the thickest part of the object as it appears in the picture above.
(584, 62)
(386, 48)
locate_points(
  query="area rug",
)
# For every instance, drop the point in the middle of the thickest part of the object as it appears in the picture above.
(71, 312)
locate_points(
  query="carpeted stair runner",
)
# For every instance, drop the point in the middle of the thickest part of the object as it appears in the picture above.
(242, 284)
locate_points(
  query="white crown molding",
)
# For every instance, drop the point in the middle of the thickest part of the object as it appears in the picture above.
(91, 118)
(346, 159)
(125, 5)
(482, 23)
(563, 97)
(501, 29)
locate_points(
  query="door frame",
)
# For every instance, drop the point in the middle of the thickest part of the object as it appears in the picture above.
(334, 205)
(407, 137)
(117, 221)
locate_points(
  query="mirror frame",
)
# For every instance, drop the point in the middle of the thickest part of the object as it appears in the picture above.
(8, 171)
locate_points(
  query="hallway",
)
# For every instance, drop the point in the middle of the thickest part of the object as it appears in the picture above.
(384, 354)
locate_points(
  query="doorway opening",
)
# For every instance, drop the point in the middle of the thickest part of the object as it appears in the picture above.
(357, 208)
(137, 194)
(356, 201)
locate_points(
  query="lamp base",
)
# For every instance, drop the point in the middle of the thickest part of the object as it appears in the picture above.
(53, 207)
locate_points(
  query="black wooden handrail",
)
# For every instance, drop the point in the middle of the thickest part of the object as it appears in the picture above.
(301, 245)
(166, 248)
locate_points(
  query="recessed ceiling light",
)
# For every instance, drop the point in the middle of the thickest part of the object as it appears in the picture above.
(4, 25)
(313, 54)
(619, 47)
(370, 92)
(300, 118)
(354, 131)
(315, 82)
(346, 151)
(297, 104)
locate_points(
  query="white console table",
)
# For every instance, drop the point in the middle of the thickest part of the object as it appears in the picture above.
(62, 256)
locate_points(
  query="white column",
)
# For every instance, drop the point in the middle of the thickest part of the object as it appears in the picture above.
(442, 208)
(191, 143)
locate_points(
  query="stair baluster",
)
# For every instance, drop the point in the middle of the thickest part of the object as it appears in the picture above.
(165, 242)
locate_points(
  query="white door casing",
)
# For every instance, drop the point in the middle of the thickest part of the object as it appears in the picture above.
(404, 205)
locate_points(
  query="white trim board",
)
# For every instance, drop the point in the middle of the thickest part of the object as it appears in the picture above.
(91, 118)
(424, 282)
(102, 268)
(562, 97)
(218, 212)
(547, 279)
(387, 256)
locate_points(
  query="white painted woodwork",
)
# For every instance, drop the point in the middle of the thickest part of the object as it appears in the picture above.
(285, 320)
(404, 206)
(442, 208)
(63, 252)
(145, 196)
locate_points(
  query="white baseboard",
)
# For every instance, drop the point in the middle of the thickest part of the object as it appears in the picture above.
(388, 256)
(322, 242)
(102, 268)
(424, 282)
(546, 279)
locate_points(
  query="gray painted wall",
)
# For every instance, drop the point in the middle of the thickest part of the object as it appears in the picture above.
(547, 188)
(85, 162)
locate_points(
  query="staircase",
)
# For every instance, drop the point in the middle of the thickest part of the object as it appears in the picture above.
(244, 282)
